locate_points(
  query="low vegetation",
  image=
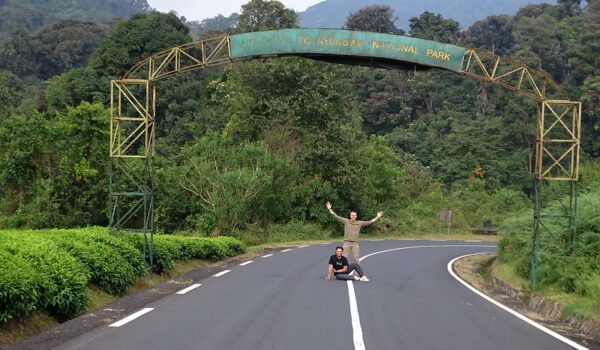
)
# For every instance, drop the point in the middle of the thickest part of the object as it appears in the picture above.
(49, 270)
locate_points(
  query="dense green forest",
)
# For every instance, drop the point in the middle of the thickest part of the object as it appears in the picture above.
(251, 148)
(407, 141)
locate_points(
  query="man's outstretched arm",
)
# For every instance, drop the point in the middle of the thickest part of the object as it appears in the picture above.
(329, 272)
(379, 214)
(338, 218)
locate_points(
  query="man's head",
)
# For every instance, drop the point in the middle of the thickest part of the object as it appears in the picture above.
(339, 251)
(353, 216)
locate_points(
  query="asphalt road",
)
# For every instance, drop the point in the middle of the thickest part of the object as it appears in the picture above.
(283, 301)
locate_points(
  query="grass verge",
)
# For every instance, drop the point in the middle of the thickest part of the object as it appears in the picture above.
(573, 305)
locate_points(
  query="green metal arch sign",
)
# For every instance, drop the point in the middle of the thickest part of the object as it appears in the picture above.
(335, 42)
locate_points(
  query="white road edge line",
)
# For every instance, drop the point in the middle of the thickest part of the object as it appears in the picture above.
(286, 250)
(185, 290)
(246, 263)
(357, 334)
(131, 317)
(303, 246)
(266, 256)
(221, 273)
(511, 311)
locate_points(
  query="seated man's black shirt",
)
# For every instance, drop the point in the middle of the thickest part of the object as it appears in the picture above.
(338, 264)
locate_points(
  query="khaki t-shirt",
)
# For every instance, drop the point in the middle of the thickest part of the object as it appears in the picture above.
(351, 228)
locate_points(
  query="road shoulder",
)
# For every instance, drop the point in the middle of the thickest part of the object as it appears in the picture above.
(476, 270)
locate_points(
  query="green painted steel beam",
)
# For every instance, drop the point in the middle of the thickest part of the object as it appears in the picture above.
(336, 42)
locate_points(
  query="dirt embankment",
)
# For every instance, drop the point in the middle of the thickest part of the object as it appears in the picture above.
(478, 270)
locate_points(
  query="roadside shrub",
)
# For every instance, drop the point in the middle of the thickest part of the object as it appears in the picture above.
(162, 259)
(18, 287)
(132, 255)
(233, 246)
(109, 270)
(60, 280)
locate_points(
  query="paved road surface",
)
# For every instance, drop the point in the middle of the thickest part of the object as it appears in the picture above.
(284, 302)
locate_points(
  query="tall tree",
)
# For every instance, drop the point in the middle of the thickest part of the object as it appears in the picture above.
(535, 41)
(265, 15)
(66, 44)
(493, 33)
(17, 54)
(375, 18)
(135, 39)
(435, 27)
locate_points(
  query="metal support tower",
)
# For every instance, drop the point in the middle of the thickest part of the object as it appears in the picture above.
(131, 186)
(557, 167)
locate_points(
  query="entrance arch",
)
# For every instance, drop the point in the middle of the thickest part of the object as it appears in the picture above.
(133, 109)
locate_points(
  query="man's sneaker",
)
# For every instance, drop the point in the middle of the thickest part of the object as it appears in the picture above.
(356, 278)
(364, 279)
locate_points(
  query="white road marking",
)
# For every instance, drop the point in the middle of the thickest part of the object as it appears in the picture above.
(428, 246)
(303, 246)
(266, 256)
(131, 317)
(286, 250)
(221, 273)
(246, 263)
(325, 243)
(185, 290)
(357, 334)
(511, 311)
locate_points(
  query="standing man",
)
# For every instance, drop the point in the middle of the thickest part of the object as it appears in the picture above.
(338, 264)
(351, 230)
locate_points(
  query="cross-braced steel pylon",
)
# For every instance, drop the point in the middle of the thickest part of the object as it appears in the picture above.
(557, 159)
(131, 186)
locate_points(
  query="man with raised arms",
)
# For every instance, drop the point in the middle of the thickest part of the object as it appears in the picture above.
(351, 230)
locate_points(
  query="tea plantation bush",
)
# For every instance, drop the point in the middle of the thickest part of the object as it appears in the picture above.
(50, 269)
(168, 248)
(39, 275)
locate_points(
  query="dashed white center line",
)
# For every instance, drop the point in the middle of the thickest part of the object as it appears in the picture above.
(131, 317)
(266, 256)
(285, 250)
(185, 290)
(246, 263)
(221, 273)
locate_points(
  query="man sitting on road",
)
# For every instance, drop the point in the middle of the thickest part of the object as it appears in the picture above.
(338, 264)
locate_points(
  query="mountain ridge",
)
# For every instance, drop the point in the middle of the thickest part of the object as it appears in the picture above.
(333, 13)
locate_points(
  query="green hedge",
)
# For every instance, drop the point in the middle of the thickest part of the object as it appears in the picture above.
(18, 287)
(168, 248)
(54, 279)
(50, 269)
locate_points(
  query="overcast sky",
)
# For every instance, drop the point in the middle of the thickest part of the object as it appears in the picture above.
(201, 9)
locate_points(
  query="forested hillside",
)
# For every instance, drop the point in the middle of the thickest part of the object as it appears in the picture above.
(333, 13)
(409, 142)
(34, 14)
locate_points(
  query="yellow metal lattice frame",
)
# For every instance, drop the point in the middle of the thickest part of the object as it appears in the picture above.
(133, 114)
(482, 65)
(549, 160)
